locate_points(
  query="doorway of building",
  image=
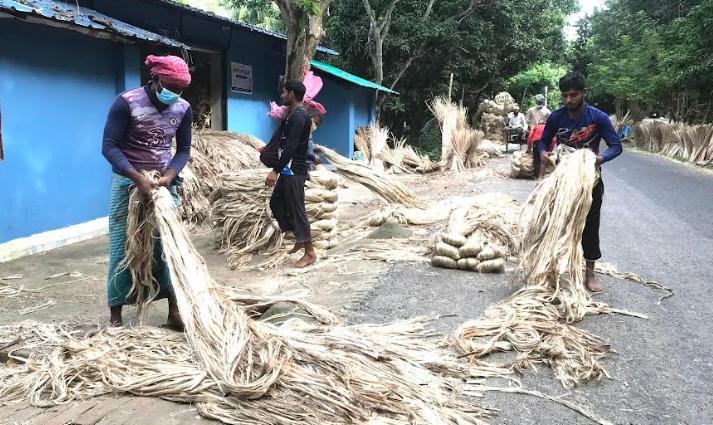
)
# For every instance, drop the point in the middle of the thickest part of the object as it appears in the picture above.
(205, 93)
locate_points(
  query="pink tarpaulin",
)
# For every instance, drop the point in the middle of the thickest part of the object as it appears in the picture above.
(313, 84)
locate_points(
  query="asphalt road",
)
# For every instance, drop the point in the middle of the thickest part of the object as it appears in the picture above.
(657, 221)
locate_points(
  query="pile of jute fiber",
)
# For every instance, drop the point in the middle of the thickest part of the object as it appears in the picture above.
(492, 116)
(537, 320)
(459, 142)
(321, 201)
(479, 236)
(690, 143)
(243, 371)
(384, 186)
(212, 154)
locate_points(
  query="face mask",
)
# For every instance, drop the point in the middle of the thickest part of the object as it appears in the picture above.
(167, 97)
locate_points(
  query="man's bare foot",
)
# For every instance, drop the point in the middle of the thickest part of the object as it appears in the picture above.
(592, 284)
(115, 319)
(297, 247)
(174, 323)
(116, 323)
(306, 261)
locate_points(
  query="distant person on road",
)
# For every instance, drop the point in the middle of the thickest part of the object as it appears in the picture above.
(537, 114)
(582, 126)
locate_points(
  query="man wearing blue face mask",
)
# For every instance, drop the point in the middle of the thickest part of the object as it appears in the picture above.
(139, 130)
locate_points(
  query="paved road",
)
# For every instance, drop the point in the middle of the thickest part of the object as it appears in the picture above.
(657, 222)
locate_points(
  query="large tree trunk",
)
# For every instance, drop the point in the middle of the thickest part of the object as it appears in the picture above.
(304, 34)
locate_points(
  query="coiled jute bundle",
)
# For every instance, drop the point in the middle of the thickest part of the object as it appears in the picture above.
(536, 321)
(522, 165)
(243, 371)
(321, 201)
(480, 235)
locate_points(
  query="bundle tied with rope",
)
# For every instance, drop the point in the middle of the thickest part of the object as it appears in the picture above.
(240, 370)
(537, 320)
(522, 166)
(479, 236)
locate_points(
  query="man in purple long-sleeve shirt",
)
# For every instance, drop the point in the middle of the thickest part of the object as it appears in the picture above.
(138, 134)
(582, 126)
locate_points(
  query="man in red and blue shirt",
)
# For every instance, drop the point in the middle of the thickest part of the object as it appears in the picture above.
(582, 126)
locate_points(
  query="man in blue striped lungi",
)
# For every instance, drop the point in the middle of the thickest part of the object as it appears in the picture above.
(137, 136)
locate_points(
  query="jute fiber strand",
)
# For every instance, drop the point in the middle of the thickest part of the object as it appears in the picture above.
(380, 184)
(536, 321)
(212, 154)
(241, 212)
(611, 270)
(480, 235)
(414, 161)
(243, 371)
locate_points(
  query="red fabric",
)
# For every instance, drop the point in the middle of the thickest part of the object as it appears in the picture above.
(536, 135)
(171, 70)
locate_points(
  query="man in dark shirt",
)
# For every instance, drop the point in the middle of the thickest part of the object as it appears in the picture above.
(289, 176)
(582, 126)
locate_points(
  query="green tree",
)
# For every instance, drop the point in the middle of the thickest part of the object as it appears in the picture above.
(482, 44)
(536, 79)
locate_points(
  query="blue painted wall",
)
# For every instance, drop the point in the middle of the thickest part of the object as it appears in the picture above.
(348, 107)
(56, 87)
(247, 113)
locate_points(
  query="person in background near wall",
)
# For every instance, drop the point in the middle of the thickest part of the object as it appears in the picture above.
(582, 126)
(137, 137)
(516, 119)
(288, 177)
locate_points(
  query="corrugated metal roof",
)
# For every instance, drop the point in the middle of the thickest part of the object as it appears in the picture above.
(344, 75)
(237, 23)
(82, 17)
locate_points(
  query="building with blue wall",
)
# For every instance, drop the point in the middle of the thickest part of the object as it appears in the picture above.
(62, 64)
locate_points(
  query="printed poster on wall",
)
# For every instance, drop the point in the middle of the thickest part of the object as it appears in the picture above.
(242, 78)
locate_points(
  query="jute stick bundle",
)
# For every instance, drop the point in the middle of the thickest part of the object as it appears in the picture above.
(691, 143)
(242, 371)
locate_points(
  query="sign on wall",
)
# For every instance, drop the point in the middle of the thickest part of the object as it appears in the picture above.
(242, 76)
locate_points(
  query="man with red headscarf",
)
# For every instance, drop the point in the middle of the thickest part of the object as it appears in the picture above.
(139, 130)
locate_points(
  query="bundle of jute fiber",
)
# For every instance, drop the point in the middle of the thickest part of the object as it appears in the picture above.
(212, 154)
(393, 158)
(492, 116)
(536, 321)
(385, 187)
(243, 371)
(450, 117)
(522, 165)
(371, 141)
(685, 142)
(241, 211)
(479, 236)
(416, 161)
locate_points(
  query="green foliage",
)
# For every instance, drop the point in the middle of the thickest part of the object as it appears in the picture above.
(652, 56)
(533, 80)
(482, 47)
